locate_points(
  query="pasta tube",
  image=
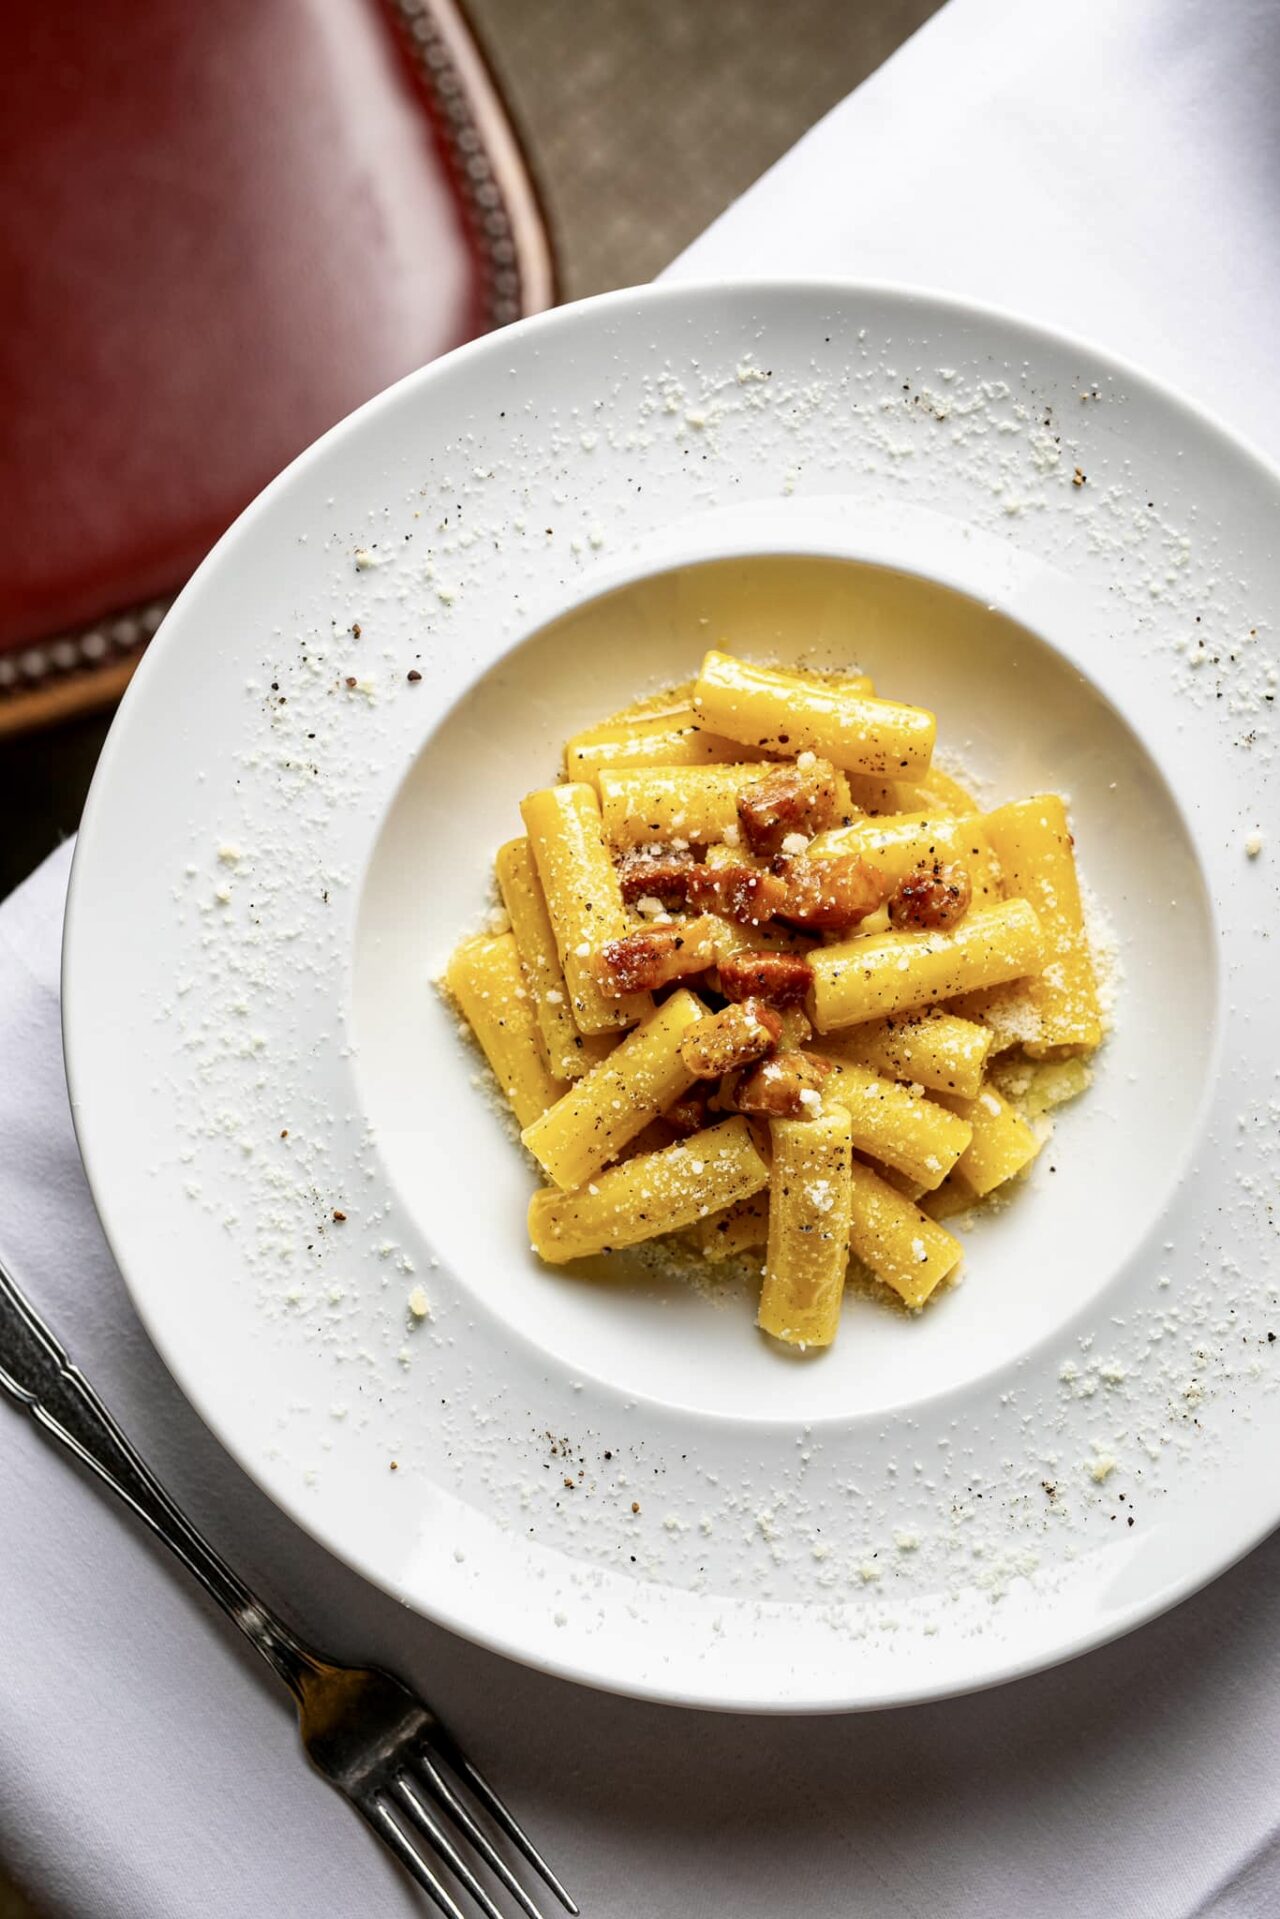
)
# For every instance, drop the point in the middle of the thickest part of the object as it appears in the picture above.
(1032, 841)
(896, 1125)
(784, 712)
(899, 845)
(900, 1244)
(942, 791)
(662, 739)
(808, 1244)
(1001, 1143)
(881, 797)
(654, 1193)
(592, 1122)
(485, 979)
(770, 936)
(737, 1229)
(935, 1050)
(1008, 1013)
(653, 805)
(885, 973)
(568, 1052)
(583, 899)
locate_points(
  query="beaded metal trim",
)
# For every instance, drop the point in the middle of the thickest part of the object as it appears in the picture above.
(96, 646)
(488, 218)
(489, 224)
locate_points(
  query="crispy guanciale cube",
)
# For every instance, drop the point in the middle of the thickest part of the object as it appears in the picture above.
(781, 979)
(788, 1086)
(829, 895)
(655, 873)
(748, 894)
(932, 899)
(731, 1038)
(689, 1114)
(653, 956)
(787, 800)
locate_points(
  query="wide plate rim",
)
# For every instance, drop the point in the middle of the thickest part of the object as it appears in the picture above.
(76, 957)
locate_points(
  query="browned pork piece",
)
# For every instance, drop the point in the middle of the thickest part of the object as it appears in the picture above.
(731, 1038)
(786, 800)
(828, 895)
(932, 899)
(788, 1086)
(653, 956)
(780, 979)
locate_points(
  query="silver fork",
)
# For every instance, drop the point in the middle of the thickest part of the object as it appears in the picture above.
(370, 1736)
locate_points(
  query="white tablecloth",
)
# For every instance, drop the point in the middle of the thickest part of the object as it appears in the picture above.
(1109, 165)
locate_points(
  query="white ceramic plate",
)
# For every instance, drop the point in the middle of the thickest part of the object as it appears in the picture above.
(621, 1481)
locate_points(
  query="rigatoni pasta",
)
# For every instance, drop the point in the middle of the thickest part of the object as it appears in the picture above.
(808, 1245)
(765, 959)
(597, 1116)
(787, 714)
(901, 1245)
(1001, 1142)
(654, 1193)
(568, 1052)
(698, 804)
(1032, 841)
(486, 981)
(674, 738)
(897, 1125)
(936, 1050)
(736, 1230)
(583, 899)
(903, 844)
(891, 972)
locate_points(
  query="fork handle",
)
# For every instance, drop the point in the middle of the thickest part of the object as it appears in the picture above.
(36, 1371)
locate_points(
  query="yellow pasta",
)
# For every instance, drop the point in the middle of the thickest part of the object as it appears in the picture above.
(771, 936)
(941, 790)
(808, 1244)
(886, 1078)
(663, 739)
(738, 1229)
(900, 1244)
(1008, 1012)
(1032, 842)
(797, 1028)
(938, 794)
(652, 1194)
(894, 1124)
(912, 1189)
(898, 845)
(583, 898)
(485, 979)
(568, 1052)
(935, 1050)
(644, 806)
(592, 1122)
(1049, 1084)
(877, 798)
(952, 1200)
(785, 713)
(885, 973)
(1002, 1142)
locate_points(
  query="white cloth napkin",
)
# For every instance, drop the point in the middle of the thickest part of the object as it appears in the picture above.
(1111, 166)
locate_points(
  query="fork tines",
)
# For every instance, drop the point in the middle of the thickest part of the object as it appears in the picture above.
(405, 1804)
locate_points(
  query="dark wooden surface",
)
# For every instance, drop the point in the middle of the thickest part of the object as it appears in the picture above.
(44, 777)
